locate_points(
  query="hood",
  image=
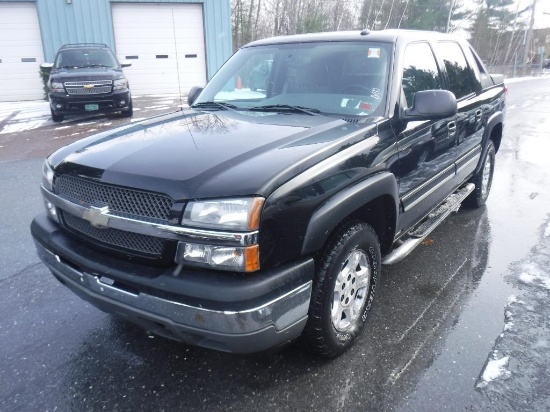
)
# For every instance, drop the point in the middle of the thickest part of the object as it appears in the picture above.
(85, 74)
(209, 154)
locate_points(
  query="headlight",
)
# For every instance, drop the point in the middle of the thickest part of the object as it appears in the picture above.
(56, 87)
(47, 182)
(240, 259)
(120, 84)
(240, 214)
(47, 175)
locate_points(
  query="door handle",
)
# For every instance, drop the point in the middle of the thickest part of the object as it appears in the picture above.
(451, 127)
(479, 113)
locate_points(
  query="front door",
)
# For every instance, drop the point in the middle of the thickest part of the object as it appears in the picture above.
(426, 148)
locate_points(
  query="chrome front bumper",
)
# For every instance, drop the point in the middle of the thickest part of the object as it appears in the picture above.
(244, 331)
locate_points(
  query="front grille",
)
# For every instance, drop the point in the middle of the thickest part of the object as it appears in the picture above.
(131, 203)
(127, 240)
(122, 201)
(95, 90)
(98, 87)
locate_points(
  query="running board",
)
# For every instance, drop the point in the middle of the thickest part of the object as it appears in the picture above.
(416, 235)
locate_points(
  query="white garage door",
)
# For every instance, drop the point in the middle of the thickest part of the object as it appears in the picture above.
(164, 43)
(20, 52)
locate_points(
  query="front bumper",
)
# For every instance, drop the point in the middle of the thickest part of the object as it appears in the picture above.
(116, 101)
(227, 312)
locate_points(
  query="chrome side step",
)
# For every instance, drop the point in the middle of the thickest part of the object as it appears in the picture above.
(416, 235)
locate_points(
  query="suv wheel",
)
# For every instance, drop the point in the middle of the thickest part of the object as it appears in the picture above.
(483, 179)
(346, 280)
(56, 117)
(129, 111)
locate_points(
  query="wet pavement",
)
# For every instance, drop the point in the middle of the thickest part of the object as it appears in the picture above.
(460, 324)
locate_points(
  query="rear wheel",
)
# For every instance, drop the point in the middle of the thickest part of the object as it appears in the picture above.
(56, 117)
(346, 280)
(483, 179)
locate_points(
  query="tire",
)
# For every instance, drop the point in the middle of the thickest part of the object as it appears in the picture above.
(57, 118)
(339, 308)
(483, 179)
(128, 112)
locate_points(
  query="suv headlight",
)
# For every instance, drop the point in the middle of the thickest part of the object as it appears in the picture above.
(56, 87)
(47, 182)
(120, 84)
(238, 215)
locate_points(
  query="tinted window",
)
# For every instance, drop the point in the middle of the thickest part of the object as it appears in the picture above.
(460, 76)
(420, 71)
(77, 58)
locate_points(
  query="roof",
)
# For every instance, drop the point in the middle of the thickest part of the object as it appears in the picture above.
(385, 36)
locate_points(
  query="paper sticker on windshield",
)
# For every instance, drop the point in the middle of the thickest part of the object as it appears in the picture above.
(374, 53)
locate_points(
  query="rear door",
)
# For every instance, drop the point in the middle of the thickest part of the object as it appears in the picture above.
(461, 80)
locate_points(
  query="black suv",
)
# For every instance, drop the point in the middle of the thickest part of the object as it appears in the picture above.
(87, 78)
(256, 216)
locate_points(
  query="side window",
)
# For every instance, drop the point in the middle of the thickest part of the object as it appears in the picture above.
(461, 78)
(420, 71)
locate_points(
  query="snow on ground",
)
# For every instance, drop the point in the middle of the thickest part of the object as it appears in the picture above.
(517, 368)
(521, 79)
(19, 116)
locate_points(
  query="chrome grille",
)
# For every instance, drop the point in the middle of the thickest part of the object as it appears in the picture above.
(127, 240)
(98, 87)
(121, 201)
(95, 90)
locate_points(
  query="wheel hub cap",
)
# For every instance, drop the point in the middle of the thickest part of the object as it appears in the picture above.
(350, 290)
(486, 177)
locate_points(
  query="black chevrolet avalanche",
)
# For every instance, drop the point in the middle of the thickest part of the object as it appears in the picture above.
(87, 78)
(267, 209)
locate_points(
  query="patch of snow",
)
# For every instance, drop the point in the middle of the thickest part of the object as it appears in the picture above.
(526, 277)
(62, 127)
(92, 130)
(106, 124)
(74, 134)
(547, 231)
(136, 109)
(19, 127)
(86, 123)
(138, 119)
(495, 369)
(541, 344)
(157, 107)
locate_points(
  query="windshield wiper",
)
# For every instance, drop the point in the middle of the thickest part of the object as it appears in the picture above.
(215, 105)
(94, 65)
(286, 108)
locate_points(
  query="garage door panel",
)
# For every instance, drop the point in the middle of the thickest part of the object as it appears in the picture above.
(181, 32)
(20, 39)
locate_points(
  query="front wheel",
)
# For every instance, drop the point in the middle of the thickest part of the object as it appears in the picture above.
(56, 117)
(129, 111)
(483, 179)
(346, 280)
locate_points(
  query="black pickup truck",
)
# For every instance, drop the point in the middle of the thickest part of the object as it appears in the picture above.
(263, 213)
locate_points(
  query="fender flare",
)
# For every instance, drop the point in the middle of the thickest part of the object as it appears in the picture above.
(493, 120)
(327, 217)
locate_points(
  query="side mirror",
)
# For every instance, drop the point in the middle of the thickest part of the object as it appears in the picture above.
(431, 105)
(193, 94)
(125, 63)
(46, 66)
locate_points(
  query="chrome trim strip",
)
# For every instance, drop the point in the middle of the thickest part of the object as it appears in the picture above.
(463, 166)
(429, 192)
(429, 182)
(470, 153)
(281, 312)
(154, 229)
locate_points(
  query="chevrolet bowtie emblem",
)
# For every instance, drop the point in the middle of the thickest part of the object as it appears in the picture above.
(89, 86)
(97, 216)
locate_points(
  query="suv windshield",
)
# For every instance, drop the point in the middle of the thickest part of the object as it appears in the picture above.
(79, 58)
(338, 78)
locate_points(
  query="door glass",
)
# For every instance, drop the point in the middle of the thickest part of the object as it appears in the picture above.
(460, 77)
(420, 71)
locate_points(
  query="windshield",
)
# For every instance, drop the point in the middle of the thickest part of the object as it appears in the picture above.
(338, 78)
(79, 58)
